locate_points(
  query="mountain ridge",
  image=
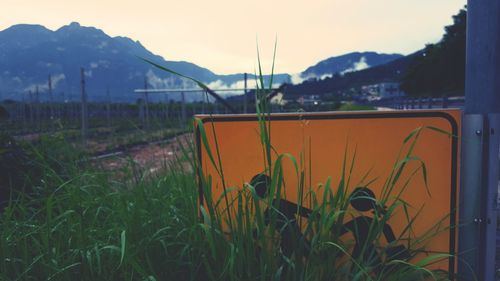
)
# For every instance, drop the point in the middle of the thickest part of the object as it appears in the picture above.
(30, 52)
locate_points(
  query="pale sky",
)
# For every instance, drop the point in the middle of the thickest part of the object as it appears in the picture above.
(221, 35)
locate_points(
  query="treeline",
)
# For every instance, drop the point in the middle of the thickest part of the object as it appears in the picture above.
(441, 68)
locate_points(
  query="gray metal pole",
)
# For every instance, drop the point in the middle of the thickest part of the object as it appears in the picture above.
(245, 96)
(445, 101)
(51, 105)
(83, 107)
(108, 108)
(203, 103)
(31, 109)
(480, 143)
(146, 101)
(166, 110)
(183, 110)
(38, 110)
(141, 112)
(24, 110)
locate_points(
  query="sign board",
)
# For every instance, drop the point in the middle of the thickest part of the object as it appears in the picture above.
(321, 140)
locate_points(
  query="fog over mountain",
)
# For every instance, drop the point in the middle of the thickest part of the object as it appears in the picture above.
(342, 64)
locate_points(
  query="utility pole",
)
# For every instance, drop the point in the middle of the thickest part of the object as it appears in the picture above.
(146, 101)
(23, 96)
(480, 143)
(30, 107)
(245, 95)
(51, 106)
(61, 108)
(108, 108)
(203, 103)
(166, 110)
(38, 115)
(83, 107)
(183, 108)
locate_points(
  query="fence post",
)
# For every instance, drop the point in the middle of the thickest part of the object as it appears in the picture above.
(84, 107)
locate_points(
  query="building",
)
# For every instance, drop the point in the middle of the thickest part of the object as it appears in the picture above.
(381, 91)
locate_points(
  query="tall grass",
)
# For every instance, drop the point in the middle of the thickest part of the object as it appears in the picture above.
(84, 224)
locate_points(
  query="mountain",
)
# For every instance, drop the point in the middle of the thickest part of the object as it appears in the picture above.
(342, 82)
(347, 63)
(29, 53)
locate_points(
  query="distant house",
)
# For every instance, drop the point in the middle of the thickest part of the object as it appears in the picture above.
(381, 91)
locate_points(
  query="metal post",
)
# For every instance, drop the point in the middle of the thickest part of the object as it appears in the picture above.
(51, 101)
(140, 107)
(445, 101)
(61, 111)
(83, 107)
(30, 108)
(480, 143)
(183, 106)
(108, 108)
(23, 102)
(146, 101)
(491, 194)
(38, 115)
(203, 103)
(216, 107)
(245, 95)
(166, 109)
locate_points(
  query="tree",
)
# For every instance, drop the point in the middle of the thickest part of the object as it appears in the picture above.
(440, 70)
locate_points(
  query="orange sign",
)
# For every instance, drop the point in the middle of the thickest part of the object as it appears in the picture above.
(321, 140)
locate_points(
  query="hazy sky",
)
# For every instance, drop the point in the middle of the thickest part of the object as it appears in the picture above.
(221, 34)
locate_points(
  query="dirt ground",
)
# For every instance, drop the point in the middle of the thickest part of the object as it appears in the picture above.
(150, 158)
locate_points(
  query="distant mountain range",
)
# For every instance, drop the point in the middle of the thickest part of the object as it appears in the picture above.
(392, 71)
(30, 53)
(347, 63)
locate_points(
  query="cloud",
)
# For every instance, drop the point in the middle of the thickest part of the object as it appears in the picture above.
(298, 78)
(102, 45)
(56, 79)
(357, 66)
(157, 82)
(169, 82)
(326, 75)
(219, 84)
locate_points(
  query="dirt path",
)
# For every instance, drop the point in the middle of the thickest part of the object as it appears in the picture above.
(151, 158)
